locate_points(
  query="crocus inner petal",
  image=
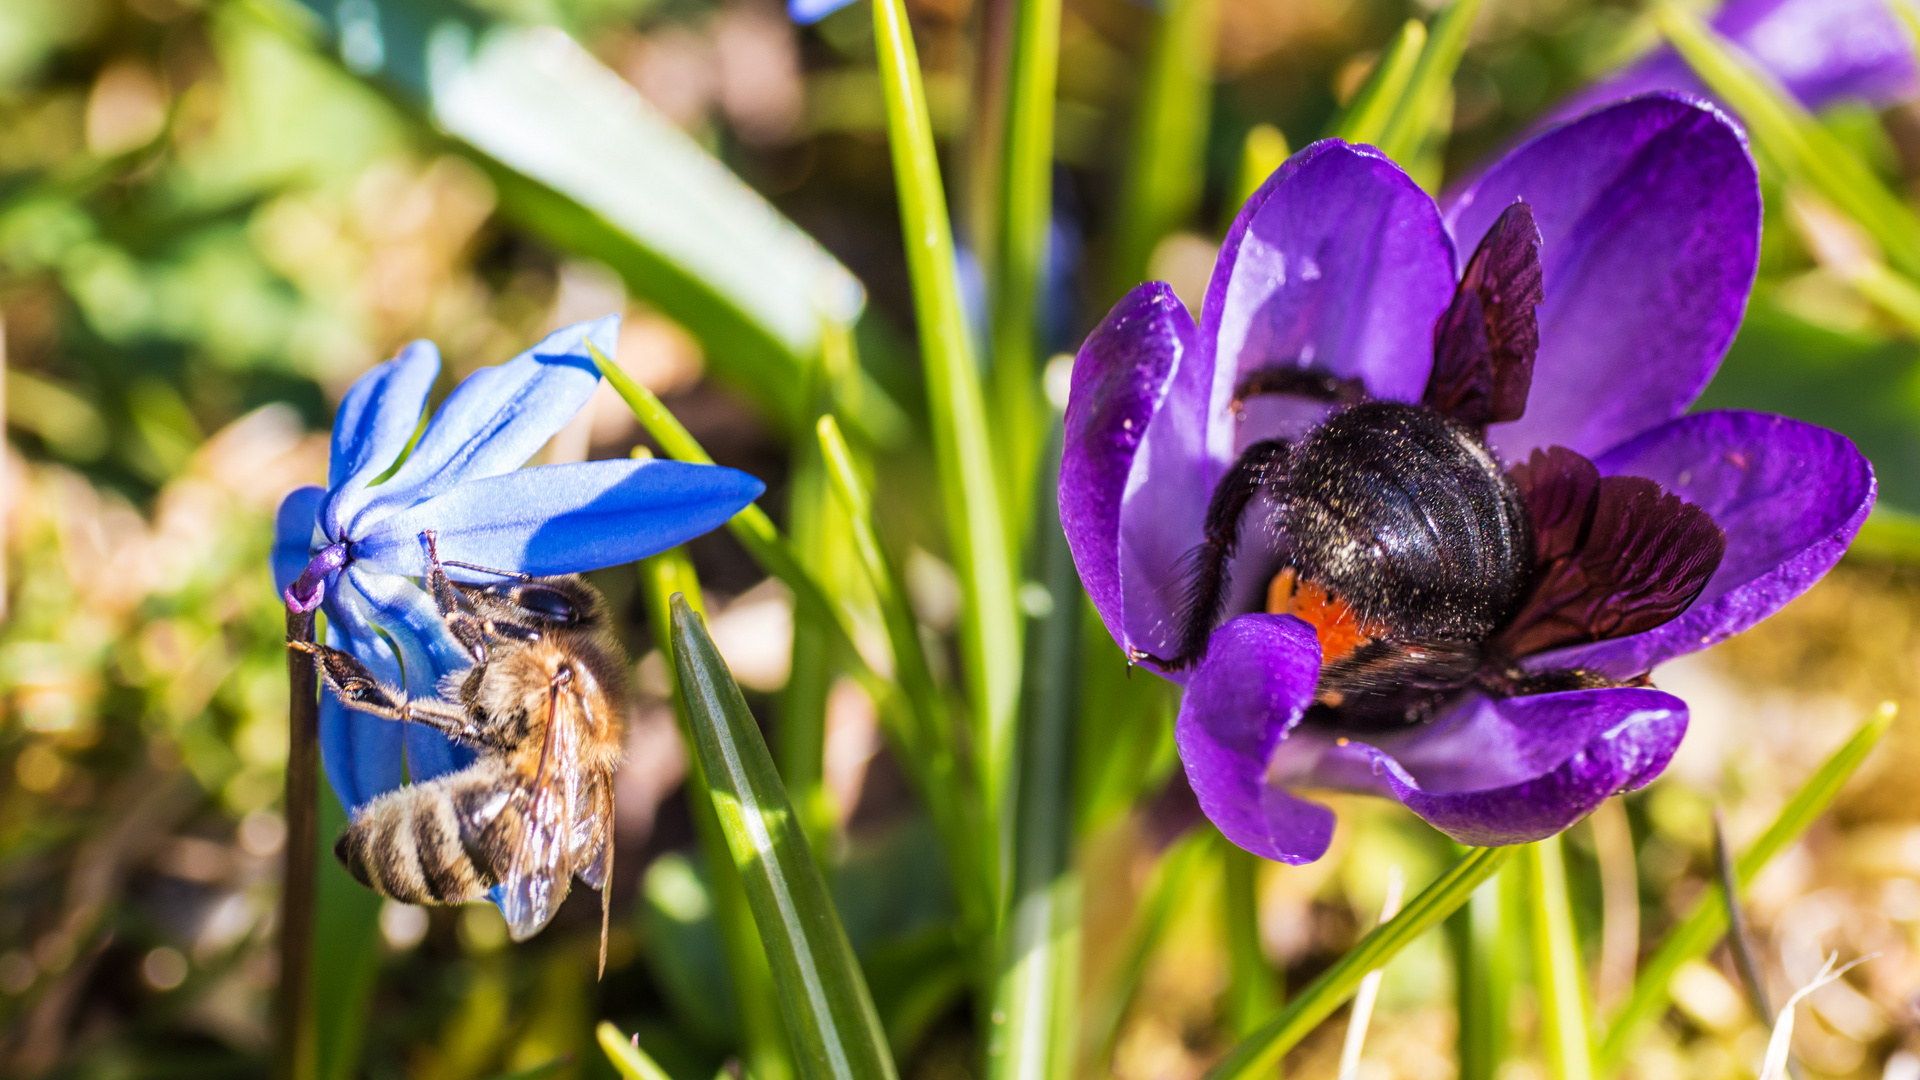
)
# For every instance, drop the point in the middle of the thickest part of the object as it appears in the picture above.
(1502, 772)
(1128, 501)
(1649, 214)
(293, 534)
(496, 419)
(561, 519)
(375, 421)
(1790, 496)
(1339, 262)
(1251, 690)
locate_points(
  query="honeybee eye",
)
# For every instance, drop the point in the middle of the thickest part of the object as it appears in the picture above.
(547, 604)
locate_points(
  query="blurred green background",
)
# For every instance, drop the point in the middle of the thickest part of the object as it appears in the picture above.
(211, 223)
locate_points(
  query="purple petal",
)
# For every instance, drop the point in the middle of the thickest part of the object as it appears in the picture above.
(293, 534)
(1822, 51)
(1251, 690)
(1649, 213)
(428, 654)
(375, 421)
(496, 419)
(561, 519)
(1339, 262)
(1503, 772)
(1790, 497)
(1120, 378)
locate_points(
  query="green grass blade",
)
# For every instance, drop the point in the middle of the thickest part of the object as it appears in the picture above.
(1166, 886)
(767, 1053)
(1260, 1054)
(1367, 115)
(1707, 922)
(1264, 151)
(1253, 986)
(1031, 1026)
(1483, 972)
(1556, 963)
(831, 1020)
(1423, 107)
(1016, 280)
(1888, 534)
(1166, 160)
(1789, 137)
(625, 1055)
(990, 626)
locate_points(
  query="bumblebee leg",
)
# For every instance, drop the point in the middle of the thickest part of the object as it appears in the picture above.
(1300, 382)
(357, 689)
(1258, 466)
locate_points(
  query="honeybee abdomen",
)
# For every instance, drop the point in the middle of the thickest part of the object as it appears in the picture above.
(408, 845)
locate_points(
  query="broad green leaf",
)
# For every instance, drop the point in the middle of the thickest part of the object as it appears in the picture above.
(1367, 116)
(1426, 106)
(990, 627)
(768, 1054)
(1031, 1027)
(1791, 139)
(1707, 922)
(1260, 1054)
(582, 159)
(1166, 163)
(1558, 978)
(631, 1062)
(830, 1018)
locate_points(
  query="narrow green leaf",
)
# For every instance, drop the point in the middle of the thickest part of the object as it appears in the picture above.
(1172, 877)
(1261, 1053)
(1484, 972)
(990, 627)
(631, 1062)
(1166, 160)
(1888, 534)
(1264, 151)
(1423, 107)
(1367, 116)
(930, 745)
(1789, 137)
(830, 1016)
(1556, 963)
(578, 156)
(1253, 986)
(1030, 1034)
(1016, 277)
(1707, 922)
(767, 1052)
(541, 1071)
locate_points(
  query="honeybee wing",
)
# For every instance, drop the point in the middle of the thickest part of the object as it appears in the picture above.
(536, 849)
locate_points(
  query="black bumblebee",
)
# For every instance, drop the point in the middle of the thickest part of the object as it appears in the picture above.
(1424, 566)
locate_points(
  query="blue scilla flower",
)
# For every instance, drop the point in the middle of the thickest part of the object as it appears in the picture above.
(353, 548)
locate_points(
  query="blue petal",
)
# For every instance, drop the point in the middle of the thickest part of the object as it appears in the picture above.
(496, 419)
(561, 519)
(293, 534)
(360, 752)
(807, 12)
(428, 654)
(375, 421)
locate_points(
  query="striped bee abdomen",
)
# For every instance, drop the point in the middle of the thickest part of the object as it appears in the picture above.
(421, 844)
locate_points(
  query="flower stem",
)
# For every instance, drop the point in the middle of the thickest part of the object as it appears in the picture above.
(1253, 986)
(1556, 959)
(292, 1015)
(1483, 966)
(1261, 1053)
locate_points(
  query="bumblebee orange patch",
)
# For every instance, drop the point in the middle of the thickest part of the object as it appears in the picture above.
(1336, 624)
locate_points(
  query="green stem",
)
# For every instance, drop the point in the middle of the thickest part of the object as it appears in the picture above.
(1260, 1054)
(1253, 986)
(1556, 961)
(767, 1053)
(1166, 163)
(990, 627)
(1484, 970)
(1034, 1015)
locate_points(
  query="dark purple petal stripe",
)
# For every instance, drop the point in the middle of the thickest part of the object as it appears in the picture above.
(1251, 690)
(1649, 213)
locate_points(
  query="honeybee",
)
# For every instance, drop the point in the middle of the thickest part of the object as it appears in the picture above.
(544, 705)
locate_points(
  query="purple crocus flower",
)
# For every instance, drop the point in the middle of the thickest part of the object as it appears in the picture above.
(1648, 218)
(355, 546)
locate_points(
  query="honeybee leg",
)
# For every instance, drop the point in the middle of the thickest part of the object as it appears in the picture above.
(357, 689)
(1300, 382)
(1258, 466)
(455, 610)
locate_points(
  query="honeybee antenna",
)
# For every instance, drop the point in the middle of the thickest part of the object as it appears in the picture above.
(431, 541)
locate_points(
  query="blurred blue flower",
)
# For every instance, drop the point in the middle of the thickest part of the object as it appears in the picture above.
(807, 12)
(354, 549)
